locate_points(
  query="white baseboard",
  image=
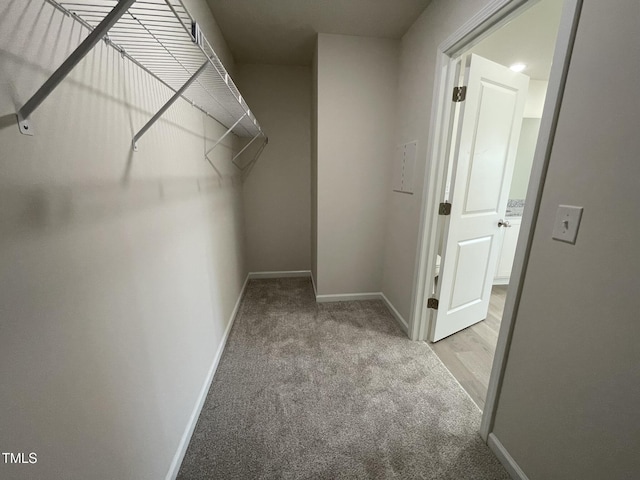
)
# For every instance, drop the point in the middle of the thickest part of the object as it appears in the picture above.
(315, 290)
(284, 274)
(174, 468)
(346, 297)
(501, 281)
(401, 321)
(507, 460)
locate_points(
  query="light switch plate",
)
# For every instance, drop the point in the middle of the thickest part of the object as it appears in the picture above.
(567, 223)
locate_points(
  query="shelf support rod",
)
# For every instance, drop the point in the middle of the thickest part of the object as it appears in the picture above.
(225, 134)
(249, 166)
(244, 148)
(170, 102)
(63, 70)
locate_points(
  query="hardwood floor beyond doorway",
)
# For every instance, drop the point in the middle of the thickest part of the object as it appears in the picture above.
(468, 354)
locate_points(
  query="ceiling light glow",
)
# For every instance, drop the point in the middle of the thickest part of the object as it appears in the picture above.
(518, 67)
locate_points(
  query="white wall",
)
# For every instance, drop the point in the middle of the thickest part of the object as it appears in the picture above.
(524, 158)
(357, 82)
(569, 404)
(528, 138)
(276, 191)
(535, 98)
(118, 271)
(202, 13)
(415, 91)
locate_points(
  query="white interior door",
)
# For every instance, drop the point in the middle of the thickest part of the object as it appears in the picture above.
(484, 156)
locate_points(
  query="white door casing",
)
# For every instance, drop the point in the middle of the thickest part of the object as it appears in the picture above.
(487, 138)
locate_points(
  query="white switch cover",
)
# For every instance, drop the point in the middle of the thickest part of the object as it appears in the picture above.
(567, 222)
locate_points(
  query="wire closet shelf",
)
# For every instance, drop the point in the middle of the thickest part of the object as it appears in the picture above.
(162, 38)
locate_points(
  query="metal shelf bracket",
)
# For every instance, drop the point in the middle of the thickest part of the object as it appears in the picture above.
(170, 102)
(162, 38)
(243, 149)
(24, 125)
(223, 136)
(72, 60)
(255, 157)
(248, 167)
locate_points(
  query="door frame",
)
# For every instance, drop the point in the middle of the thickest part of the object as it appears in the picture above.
(486, 21)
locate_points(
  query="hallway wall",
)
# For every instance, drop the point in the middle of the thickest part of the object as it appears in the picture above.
(357, 82)
(416, 75)
(569, 403)
(276, 194)
(119, 271)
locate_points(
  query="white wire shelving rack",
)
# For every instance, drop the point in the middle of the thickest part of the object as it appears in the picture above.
(162, 38)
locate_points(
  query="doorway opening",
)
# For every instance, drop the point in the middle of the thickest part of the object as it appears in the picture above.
(495, 15)
(489, 161)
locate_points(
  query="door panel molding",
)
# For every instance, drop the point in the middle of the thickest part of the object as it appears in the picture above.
(488, 130)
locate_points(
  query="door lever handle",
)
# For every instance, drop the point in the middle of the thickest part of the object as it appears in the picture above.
(504, 223)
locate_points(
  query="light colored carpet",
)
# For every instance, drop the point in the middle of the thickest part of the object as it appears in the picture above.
(327, 391)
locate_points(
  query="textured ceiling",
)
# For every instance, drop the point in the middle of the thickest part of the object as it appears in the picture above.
(283, 32)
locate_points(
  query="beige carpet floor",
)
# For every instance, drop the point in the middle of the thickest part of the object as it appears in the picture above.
(329, 391)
